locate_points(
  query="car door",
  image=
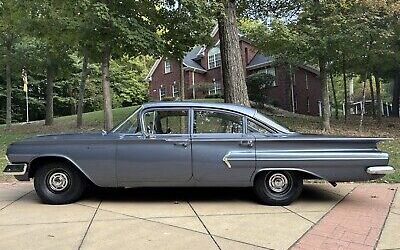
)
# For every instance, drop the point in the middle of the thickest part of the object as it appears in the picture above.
(161, 152)
(222, 153)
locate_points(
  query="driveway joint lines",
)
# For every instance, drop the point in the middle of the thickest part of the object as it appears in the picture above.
(204, 225)
(9, 204)
(90, 223)
(312, 222)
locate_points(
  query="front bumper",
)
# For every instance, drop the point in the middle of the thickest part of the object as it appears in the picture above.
(15, 169)
(380, 170)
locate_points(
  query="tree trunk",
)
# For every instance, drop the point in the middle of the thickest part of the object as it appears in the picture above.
(326, 112)
(82, 85)
(396, 95)
(371, 88)
(363, 103)
(105, 78)
(182, 81)
(346, 92)
(378, 98)
(334, 97)
(291, 90)
(8, 80)
(49, 93)
(235, 89)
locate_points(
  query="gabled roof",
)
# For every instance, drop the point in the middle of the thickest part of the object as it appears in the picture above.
(190, 59)
(259, 60)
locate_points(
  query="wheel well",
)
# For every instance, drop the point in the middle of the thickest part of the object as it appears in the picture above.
(304, 175)
(41, 161)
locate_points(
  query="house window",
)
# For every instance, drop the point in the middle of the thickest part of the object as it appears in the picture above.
(272, 71)
(215, 88)
(175, 91)
(162, 92)
(214, 58)
(167, 66)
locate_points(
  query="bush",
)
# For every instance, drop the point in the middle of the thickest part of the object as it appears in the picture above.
(214, 96)
(258, 85)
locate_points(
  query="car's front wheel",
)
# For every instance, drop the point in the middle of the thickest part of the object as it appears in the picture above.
(58, 183)
(278, 188)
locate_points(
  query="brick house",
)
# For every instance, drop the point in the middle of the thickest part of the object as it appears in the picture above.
(203, 77)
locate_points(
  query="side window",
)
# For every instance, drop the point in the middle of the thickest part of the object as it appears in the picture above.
(254, 127)
(166, 122)
(216, 122)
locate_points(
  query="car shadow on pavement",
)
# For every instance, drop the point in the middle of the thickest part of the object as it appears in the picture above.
(164, 194)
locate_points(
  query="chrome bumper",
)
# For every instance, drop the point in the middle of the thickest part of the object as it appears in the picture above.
(380, 170)
(15, 169)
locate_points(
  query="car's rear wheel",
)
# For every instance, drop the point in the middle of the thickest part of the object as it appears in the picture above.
(59, 183)
(278, 188)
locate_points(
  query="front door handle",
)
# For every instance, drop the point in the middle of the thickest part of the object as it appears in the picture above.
(183, 144)
(178, 142)
(248, 144)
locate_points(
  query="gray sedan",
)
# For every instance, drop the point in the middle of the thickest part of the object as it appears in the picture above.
(193, 144)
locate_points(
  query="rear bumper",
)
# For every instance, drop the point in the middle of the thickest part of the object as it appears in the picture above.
(380, 170)
(15, 169)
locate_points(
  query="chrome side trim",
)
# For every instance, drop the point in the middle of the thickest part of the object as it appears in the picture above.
(225, 159)
(17, 173)
(380, 170)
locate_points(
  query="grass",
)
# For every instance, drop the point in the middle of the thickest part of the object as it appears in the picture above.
(389, 127)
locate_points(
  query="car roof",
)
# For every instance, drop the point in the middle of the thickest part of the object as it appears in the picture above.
(226, 106)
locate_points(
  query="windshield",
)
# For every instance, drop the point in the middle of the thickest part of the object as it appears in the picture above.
(130, 125)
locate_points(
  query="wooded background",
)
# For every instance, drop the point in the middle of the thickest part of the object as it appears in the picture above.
(88, 55)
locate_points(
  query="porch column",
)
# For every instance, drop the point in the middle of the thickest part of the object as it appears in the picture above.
(193, 87)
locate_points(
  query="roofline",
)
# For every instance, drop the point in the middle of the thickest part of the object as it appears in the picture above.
(194, 69)
(260, 65)
(152, 69)
(310, 68)
(214, 31)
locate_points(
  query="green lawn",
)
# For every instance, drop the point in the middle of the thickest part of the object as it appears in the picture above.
(93, 121)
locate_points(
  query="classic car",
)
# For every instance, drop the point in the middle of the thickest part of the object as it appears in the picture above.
(193, 144)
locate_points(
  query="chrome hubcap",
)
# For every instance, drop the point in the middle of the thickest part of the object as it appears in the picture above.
(58, 181)
(278, 183)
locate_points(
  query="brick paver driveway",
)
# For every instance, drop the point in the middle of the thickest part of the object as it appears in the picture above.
(324, 217)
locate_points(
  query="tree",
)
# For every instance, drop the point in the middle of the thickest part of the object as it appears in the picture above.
(233, 73)
(119, 28)
(10, 16)
(235, 89)
(82, 86)
(189, 17)
(47, 22)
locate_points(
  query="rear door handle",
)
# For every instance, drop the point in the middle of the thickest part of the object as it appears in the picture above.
(249, 144)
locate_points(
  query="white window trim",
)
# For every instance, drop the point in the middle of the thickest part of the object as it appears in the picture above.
(274, 84)
(212, 64)
(167, 66)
